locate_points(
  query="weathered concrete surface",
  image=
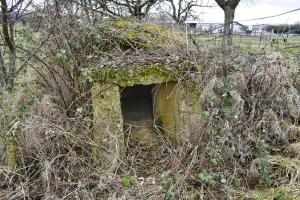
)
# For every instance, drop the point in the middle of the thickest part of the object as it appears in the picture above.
(190, 110)
(108, 126)
(166, 109)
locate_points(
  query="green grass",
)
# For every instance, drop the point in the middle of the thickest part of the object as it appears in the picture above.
(254, 43)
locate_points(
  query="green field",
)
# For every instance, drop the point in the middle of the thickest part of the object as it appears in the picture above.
(258, 43)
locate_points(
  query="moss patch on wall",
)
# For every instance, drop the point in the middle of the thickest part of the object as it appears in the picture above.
(129, 76)
(129, 34)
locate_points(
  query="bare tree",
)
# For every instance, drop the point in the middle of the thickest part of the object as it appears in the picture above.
(228, 7)
(135, 8)
(182, 9)
(115, 8)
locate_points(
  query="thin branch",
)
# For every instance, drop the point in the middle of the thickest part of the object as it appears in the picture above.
(3, 75)
(25, 62)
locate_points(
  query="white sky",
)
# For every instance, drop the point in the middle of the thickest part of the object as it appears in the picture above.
(249, 9)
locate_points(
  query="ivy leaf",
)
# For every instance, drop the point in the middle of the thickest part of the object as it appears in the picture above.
(206, 177)
(127, 181)
(238, 67)
(205, 115)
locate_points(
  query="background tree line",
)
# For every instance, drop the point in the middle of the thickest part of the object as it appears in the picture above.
(284, 28)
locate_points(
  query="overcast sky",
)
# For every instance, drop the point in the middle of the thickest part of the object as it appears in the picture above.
(249, 9)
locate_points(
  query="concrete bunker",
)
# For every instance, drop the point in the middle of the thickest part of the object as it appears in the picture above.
(144, 88)
(143, 107)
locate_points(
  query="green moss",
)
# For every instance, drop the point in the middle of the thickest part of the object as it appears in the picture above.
(122, 23)
(129, 34)
(129, 76)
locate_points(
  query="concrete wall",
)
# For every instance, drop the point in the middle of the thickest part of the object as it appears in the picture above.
(108, 126)
(177, 109)
(166, 109)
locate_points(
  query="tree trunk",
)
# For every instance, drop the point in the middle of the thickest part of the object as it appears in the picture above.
(228, 27)
(9, 134)
(7, 89)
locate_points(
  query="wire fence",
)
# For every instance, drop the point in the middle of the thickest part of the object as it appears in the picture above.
(262, 41)
(259, 36)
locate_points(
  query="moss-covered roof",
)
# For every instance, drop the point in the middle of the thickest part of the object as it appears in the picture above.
(137, 35)
(129, 76)
(144, 68)
(144, 54)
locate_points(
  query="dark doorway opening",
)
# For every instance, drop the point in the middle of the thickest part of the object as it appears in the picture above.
(137, 105)
(143, 144)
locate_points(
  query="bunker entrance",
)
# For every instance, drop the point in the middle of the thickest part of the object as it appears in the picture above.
(144, 146)
(136, 103)
(137, 111)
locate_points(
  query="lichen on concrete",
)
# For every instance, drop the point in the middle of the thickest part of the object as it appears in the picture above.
(144, 75)
(108, 126)
(177, 109)
(130, 34)
(190, 111)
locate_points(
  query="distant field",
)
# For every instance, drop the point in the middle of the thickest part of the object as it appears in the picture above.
(257, 43)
